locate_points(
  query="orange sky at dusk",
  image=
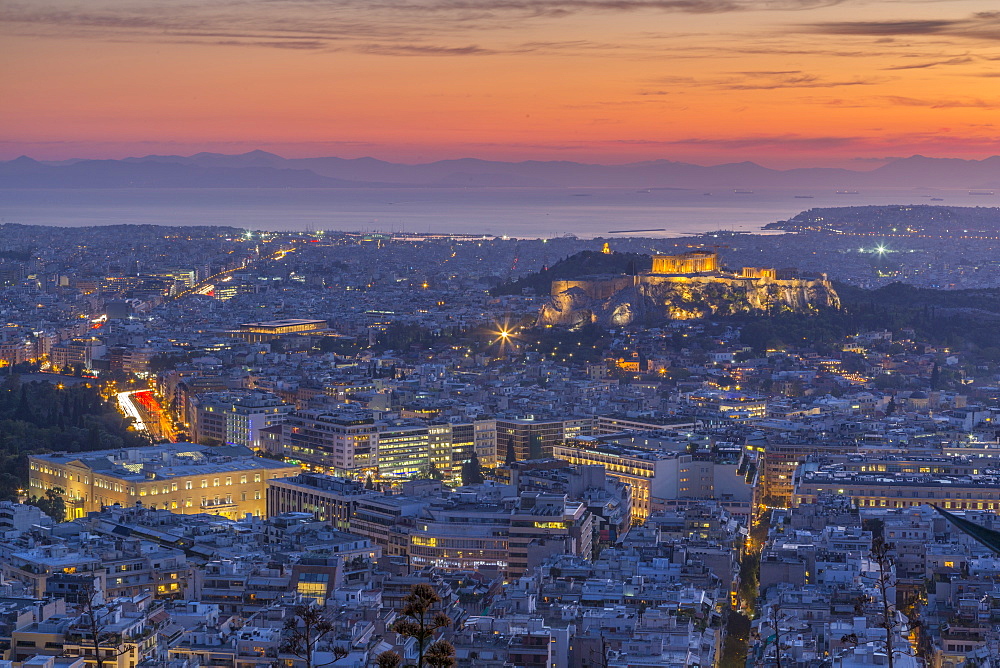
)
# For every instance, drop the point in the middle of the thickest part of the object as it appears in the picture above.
(780, 82)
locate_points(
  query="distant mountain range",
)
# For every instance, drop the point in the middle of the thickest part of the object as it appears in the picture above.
(259, 169)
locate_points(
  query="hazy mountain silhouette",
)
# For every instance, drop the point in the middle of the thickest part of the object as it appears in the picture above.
(260, 169)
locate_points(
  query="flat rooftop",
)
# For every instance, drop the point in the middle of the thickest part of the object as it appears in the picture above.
(290, 322)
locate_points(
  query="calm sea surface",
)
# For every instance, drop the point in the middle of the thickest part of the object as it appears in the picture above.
(521, 212)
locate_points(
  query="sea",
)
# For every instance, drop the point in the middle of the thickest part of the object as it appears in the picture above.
(515, 212)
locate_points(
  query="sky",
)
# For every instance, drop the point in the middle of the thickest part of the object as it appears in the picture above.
(784, 83)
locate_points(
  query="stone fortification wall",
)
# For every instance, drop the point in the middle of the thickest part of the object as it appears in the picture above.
(602, 288)
(650, 298)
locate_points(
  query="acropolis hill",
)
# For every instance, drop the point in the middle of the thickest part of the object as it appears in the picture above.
(681, 287)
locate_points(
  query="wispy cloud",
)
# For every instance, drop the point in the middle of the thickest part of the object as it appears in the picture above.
(883, 101)
(883, 28)
(978, 26)
(792, 80)
(960, 60)
(939, 104)
(768, 80)
(562, 7)
(366, 25)
(425, 50)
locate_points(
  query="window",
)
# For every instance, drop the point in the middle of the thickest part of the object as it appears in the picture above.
(229, 480)
(256, 496)
(256, 477)
(215, 482)
(173, 487)
(188, 485)
(243, 479)
(204, 483)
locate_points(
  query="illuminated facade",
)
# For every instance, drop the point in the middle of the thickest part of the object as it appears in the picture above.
(329, 499)
(659, 476)
(615, 424)
(954, 483)
(403, 448)
(256, 332)
(15, 352)
(180, 477)
(779, 460)
(695, 262)
(335, 442)
(353, 443)
(77, 352)
(649, 474)
(460, 537)
(731, 406)
(530, 438)
(541, 517)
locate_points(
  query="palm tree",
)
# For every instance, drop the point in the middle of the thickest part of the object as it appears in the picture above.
(419, 623)
(304, 630)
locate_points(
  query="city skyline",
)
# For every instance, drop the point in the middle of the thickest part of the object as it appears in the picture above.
(785, 83)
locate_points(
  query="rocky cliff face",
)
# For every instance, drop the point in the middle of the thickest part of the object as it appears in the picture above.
(614, 302)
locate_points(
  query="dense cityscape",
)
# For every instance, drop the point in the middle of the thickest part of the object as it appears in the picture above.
(232, 448)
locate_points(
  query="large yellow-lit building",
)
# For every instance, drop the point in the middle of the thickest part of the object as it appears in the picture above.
(256, 332)
(695, 262)
(180, 477)
(899, 481)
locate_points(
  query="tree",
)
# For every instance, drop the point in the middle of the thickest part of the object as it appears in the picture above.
(52, 504)
(303, 632)
(388, 659)
(96, 620)
(888, 617)
(890, 408)
(440, 654)
(472, 471)
(429, 472)
(419, 623)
